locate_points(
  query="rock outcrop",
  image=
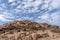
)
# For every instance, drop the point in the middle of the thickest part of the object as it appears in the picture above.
(28, 30)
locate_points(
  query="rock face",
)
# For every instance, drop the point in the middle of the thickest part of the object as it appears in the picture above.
(28, 30)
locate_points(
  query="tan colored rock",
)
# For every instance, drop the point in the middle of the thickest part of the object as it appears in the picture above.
(28, 30)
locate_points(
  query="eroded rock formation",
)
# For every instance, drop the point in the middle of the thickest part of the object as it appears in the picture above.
(28, 30)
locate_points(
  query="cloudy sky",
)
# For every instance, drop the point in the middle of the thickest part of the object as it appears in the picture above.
(46, 11)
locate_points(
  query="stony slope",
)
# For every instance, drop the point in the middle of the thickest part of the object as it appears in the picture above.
(28, 30)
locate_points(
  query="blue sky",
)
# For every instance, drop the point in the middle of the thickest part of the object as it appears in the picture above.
(43, 11)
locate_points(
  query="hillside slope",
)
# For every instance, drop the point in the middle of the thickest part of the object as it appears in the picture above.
(28, 30)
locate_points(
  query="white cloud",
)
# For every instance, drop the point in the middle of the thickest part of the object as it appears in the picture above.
(2, 5)
(26, 18)
(55, 3)
(29, 6)
(2, 18)
(5, 16)
(45, 16)
(37, 3)
(50, 18)
(55, 17)
(45, 6)
(11, 0)
(48, 1)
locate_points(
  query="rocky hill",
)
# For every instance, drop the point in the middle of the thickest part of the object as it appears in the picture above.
(28, 30)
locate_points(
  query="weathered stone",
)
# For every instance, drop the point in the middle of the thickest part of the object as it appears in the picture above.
(28, 30)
